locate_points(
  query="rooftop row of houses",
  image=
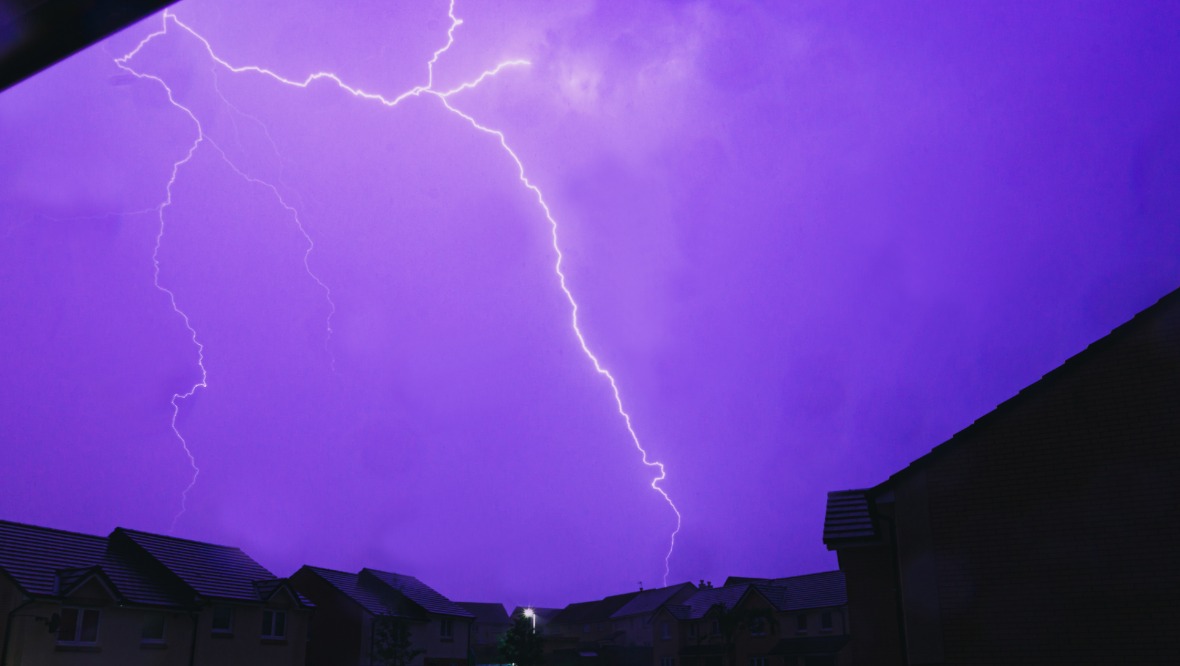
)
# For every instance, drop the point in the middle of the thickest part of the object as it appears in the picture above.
(139, 598)
(752, 621)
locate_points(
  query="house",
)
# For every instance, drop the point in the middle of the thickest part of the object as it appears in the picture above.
(490, 623)
(358, 612)
(1045, 532)
(613, 631)
(140, 598)
(631, 623)
(794, 621)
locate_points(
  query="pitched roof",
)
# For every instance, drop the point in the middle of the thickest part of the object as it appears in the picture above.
(817, 590)
(418, 592)
(590, 612)
(48, 562)
(141, 568)
(697, 605)
(486, 613)
(848, 518)
(648, 601)
(372, 596)
(32, 555)
(1165, 311)
(221, 572)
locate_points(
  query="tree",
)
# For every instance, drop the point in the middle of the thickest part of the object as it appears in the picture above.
(732, 621)
(521, 645)
(392, 645)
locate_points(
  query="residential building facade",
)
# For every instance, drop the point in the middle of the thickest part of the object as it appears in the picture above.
(140, 598)
(795, 621)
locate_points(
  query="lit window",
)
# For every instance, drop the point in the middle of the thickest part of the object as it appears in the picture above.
(801, 623)
(79, 626)
(825, 621)
(446, 630)
(274, 624)
(223, 619)
(153, 628)
(665, 631)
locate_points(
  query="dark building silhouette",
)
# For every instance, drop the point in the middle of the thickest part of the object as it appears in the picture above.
(792, 621)
(350, 607)
(1045, 532)
(613, 631)
(490, 624)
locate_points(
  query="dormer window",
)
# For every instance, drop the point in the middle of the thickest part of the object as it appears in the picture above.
(274, 624)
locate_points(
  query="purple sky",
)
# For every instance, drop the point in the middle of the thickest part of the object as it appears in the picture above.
(809, 240)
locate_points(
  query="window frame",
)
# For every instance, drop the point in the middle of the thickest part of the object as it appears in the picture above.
(228, 629)
(154, 640)
(273, 618)
(446, 630)
(81, 612)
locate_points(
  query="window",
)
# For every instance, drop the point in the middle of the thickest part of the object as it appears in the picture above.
(801, 623)
(757, 661)
(667, 661)
(223, 619)
(274, 624)
(79, 626)
(446, 629)
(715, 628)
(825, 621)
(758, 626)
(665, 631)
(585, 628)
(693, 628)
(153, 628)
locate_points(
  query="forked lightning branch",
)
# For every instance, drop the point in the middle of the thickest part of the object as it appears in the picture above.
(170, 22)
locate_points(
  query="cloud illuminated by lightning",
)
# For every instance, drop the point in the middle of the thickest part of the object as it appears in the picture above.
(416, 91)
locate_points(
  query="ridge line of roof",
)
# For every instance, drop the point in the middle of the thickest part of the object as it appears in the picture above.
(1068, 365)
(128, 530)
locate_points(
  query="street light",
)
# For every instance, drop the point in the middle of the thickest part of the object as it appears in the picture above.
(529, 613)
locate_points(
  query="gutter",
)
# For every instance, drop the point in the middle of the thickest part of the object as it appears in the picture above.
(192, 650)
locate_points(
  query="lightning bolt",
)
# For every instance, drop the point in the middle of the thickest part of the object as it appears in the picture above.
(417, 91)
(201, 137)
